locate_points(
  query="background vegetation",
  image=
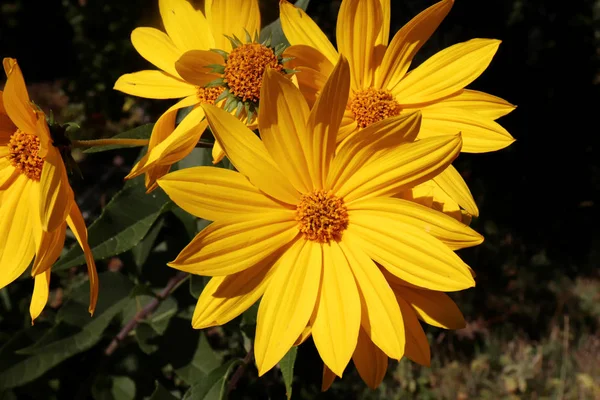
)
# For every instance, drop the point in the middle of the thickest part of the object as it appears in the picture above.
(533, 318)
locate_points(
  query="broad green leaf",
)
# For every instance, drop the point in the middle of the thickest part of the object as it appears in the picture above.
(124, 222)
(160, 393)
(197, 284)
(287, 370)
(212, 387)
(142, 250)
(274, 30)
(141, 132)
(40, 359)
(123, 388)
(145, 336)
(159, 318)
(203, 361)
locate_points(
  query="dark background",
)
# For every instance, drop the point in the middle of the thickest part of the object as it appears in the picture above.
(537, 272)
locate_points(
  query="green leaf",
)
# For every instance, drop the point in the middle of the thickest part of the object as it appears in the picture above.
(202, 363)
(197, 284)
(212, 387)
(287, 370)
(274, 30)
(114, 295)
(142, 250)
(160, 393)
(123, 388)
(124, 222)
(145, 335)
(141, 132)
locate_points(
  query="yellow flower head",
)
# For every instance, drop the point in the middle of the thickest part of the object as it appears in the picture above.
(383, 87)
(36, 200)
(302, 225)
(203, 61)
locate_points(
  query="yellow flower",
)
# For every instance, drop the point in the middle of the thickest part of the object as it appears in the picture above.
(36, 200)
(433, 307)
(383, 87)
(302, 225)
(226, 76)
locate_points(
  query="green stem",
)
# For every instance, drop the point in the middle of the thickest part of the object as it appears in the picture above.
(108, 142)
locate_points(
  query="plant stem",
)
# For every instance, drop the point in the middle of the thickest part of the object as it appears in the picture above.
(173, 284)
(108, 142)
(239, 372)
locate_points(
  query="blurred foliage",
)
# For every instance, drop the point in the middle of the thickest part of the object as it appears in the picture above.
(533, 318)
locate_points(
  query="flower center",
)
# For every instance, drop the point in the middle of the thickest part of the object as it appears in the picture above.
(208, 95)
(23, 154)
(245, 67)
(372, 105)
(322, 216)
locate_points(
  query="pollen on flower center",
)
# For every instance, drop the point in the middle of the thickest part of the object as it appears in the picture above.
(322, 216)
(208, 95)
(372, 105)
(23, 154)
(245, 68)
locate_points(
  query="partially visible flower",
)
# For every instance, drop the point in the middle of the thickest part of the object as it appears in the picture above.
(302, 226)
(36, 200)
(226, 77)
(382, 86)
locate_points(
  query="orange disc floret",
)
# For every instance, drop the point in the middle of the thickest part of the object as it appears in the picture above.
(322, 216)
(245, 68)
(372, 105)
(208, 95)
(23, 151)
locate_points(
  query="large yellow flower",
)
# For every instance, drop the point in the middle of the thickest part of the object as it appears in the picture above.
(383, 87)
(226, 76)
(302, 225)
(36, 200)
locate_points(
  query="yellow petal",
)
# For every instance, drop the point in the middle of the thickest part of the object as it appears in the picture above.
(384, 33)
(187, 28)
(407, 42)
(249, 155)
(337, 321)
(310, 83)
(454, 234)
(160, 132)
(480, 103)
(370, 362)
(226, 297)
(300, 29)
(49, 249)
(434, 308)
(16, 99)
(409, 253)
(288, 303)
(402, 167)
(181, 141)
(380, 314)
(8, 173)
(55, 194)
(417, 346)
(217, 152)
(154, 85)
(324, 121)
(7, 127)
(232, 18)
(216, 193)
(156, 47)
(282, 122)
(368, 144)
(446, 72)
(480, 134)
(309, 57)
(328, 378)
(77, 224)
(348, 127)
(39, 298)
(193, 66)
(455, 186)
(358, 26)
(233, 245)
(17, 245)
